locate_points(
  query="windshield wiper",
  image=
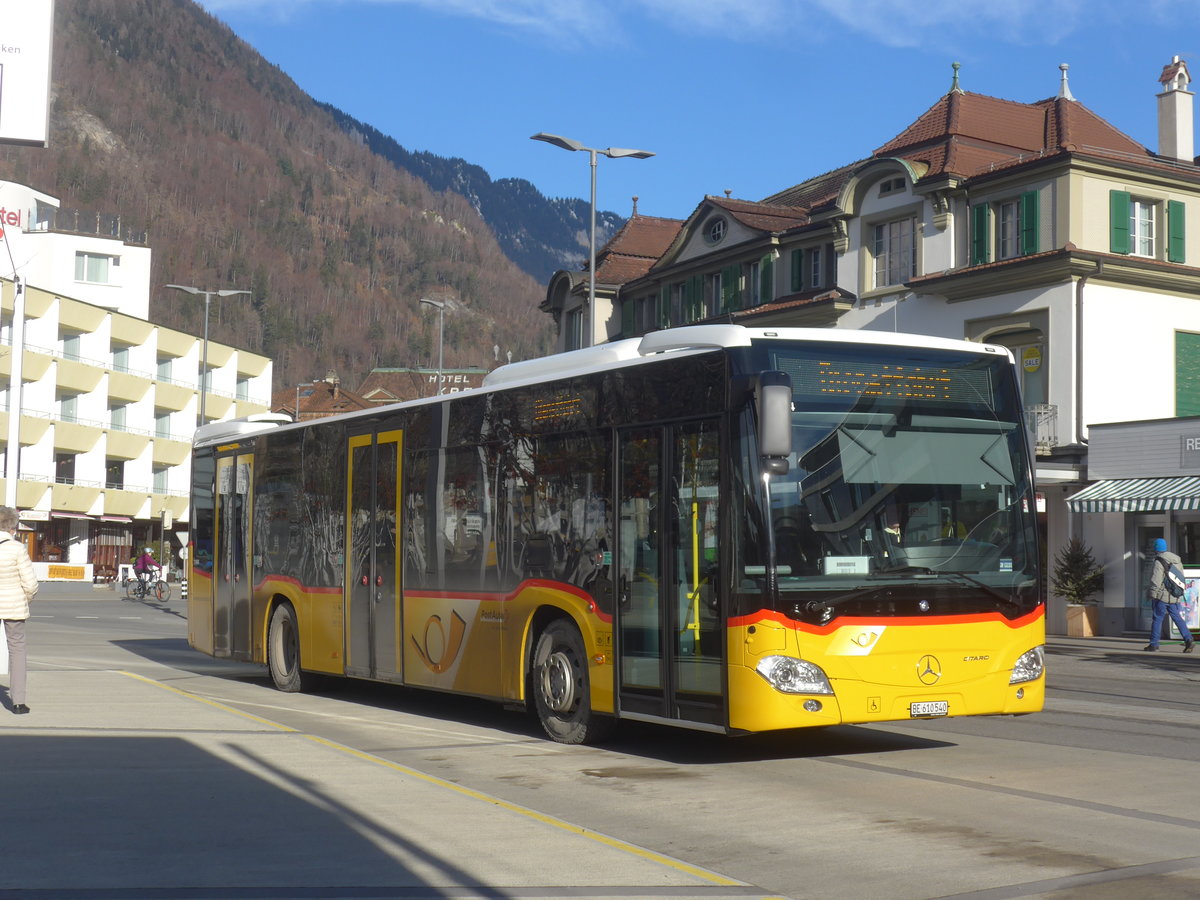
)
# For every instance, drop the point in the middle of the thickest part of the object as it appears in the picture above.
(983, 585)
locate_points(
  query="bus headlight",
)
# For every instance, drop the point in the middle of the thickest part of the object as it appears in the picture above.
(1029, 667)
(793, 676)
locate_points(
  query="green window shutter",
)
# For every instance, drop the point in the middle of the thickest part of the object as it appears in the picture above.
(1187, 374)
(696, 298)
(1175, 231)
(797, 270)
(731, 296)
(979, 234)
(1118, 221)
(767, 278)
(628, 317)
(664, 307)
(1029, 223)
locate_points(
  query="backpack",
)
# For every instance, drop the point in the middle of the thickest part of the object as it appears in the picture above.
(1174, 581)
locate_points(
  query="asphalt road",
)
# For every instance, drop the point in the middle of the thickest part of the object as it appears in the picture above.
(176, 776)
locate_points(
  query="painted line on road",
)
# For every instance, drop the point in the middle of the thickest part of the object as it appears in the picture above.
(615, 843)
(1039, 796)
(1122, 711)
(1087, 879)
(606, 840)
(207, 702)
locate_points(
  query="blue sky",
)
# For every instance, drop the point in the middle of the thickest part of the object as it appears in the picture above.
(750, 96)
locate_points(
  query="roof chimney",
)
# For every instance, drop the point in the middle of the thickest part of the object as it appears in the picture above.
(1175, 130)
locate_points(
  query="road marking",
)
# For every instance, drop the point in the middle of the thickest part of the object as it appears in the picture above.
(1122, 711)
(615, 843)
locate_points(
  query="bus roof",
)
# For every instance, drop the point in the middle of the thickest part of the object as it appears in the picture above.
(684, 340)
(697, 338)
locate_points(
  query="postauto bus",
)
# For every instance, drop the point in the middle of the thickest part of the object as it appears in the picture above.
(715, 527)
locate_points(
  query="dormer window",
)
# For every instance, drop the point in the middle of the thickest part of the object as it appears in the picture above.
(891, 186)
(714, 231)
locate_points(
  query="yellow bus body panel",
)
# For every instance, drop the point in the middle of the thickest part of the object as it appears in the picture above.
(318, 617)
(879, 667)
(477, 643)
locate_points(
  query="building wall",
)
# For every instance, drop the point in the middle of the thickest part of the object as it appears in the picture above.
(109, 400)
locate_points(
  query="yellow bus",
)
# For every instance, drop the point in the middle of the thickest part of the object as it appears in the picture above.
(720, 528)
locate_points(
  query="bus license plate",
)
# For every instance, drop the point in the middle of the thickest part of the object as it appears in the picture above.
(929, 708)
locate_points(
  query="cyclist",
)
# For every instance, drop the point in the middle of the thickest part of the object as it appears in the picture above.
(145, 566)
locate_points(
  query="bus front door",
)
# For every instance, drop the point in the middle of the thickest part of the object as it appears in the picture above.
(373, 615)
(669, 634)
(231, 564)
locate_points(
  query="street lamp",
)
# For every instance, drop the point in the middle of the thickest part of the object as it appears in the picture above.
(440, 306)
(611, 153)
(208, 295)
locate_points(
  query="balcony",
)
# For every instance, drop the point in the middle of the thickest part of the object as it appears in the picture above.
(79, 221)
(1041, 421)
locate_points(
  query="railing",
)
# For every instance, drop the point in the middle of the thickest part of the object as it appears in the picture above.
(1041, 420)
(240, 396)
(82, 221)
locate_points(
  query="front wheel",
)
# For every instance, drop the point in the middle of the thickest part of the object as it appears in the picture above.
(283, 650)
(561, 690)
(162, 591)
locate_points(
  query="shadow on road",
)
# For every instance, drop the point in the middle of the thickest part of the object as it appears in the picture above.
(678, 746)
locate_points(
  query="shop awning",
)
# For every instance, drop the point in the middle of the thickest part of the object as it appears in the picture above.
(1138, 495)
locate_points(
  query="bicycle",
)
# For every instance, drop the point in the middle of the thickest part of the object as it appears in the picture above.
(152, 586)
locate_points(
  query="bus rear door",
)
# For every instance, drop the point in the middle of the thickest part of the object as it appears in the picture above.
(670, 638)
(231, 579)
(373, 615)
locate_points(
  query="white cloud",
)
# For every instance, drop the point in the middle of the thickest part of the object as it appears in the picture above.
(569, 18)
(782, 23)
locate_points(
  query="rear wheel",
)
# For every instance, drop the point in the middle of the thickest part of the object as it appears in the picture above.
(283, 650)
(561, 690)
(130, 587)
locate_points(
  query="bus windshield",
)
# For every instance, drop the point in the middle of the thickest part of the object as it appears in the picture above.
(907, 491)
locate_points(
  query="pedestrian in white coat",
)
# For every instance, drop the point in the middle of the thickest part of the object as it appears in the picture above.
(18, 584)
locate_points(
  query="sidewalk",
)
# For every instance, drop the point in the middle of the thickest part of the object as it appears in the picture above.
(119, 785)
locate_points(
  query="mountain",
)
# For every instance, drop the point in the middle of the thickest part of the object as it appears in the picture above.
(539, 235)
(161, 114)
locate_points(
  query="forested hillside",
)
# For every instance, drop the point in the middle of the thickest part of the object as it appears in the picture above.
(540, 235)
(160, 113)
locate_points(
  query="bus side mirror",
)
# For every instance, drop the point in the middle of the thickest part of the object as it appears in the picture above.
(775, 420)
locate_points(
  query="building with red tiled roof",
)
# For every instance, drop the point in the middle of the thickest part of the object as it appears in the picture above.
(1037, 226)
(317, 399)
(627, 256)
(388, 385)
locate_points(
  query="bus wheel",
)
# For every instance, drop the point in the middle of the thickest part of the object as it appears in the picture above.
(560, 687)
(283, 650)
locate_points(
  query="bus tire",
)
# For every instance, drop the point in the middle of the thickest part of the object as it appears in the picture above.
(561, 692)
(283, 650)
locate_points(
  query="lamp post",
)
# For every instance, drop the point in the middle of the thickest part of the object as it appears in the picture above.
(611, 153)
(440, 306)
(208, 295)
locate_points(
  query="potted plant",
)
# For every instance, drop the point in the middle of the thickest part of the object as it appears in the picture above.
(1076, 578)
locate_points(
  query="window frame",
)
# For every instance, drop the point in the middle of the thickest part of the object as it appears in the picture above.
(86, 274)
(882, 252)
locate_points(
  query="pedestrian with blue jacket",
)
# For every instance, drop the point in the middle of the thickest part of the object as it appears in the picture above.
(1161, 602)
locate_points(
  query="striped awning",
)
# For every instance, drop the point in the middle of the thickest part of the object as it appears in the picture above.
(1138, 495)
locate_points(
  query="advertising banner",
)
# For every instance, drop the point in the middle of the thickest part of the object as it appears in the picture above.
(26, 40)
